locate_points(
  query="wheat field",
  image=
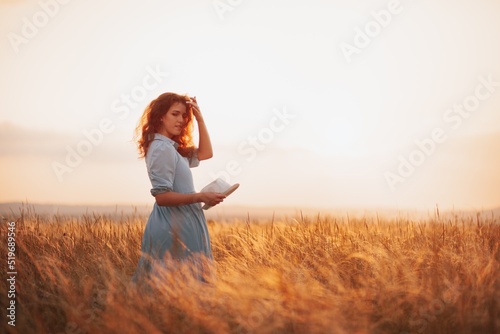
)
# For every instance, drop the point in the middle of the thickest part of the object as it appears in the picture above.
(314, 274)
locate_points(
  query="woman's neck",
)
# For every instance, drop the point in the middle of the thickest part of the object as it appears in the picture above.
(165, 133)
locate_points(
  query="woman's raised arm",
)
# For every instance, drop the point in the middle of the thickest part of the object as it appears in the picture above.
(205, 145)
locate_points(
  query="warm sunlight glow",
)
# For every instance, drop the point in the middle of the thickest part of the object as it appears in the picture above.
(322, 103)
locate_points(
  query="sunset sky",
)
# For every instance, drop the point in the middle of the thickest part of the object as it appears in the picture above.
(317, 103)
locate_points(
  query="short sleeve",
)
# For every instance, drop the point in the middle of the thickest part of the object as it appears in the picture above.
(193, 159)
(161, 162)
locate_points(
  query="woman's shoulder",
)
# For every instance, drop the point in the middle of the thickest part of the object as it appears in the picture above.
(159, 147)
(162, 143)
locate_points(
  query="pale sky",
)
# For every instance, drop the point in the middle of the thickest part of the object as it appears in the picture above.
(318, 103)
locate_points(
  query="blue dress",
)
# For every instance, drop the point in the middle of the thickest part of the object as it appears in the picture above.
(178, 233)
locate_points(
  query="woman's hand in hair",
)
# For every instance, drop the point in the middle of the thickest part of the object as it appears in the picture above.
(196, 109)
(204, 145)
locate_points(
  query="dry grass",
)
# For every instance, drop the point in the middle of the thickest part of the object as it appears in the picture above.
(305, 275)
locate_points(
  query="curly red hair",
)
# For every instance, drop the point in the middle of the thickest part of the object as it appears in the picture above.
(150, 123)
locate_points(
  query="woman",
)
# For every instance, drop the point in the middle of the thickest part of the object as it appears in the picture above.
(176, 229)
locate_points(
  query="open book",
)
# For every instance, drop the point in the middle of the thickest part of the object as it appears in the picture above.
(219, 186)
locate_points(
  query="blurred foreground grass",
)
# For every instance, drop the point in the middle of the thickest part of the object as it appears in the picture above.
(303, 275)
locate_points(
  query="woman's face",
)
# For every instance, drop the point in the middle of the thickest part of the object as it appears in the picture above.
(174, 120)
